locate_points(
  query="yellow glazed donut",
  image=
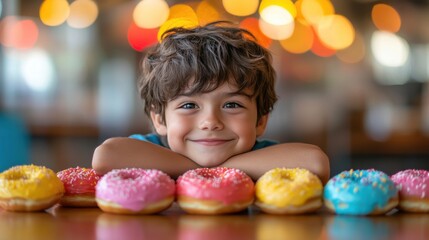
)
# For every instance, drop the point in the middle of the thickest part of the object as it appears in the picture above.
(288, 191)
(29, 188)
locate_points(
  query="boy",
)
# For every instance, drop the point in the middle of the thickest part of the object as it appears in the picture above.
(208, 91)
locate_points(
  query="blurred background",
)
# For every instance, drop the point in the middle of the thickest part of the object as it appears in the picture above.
(352, 75)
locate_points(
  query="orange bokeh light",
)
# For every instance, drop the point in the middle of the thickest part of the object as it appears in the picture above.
(301, 39)
(319, 49)
(240, 7)
(182, 11)
(313, 10)
(252, 25)
(386, 18)
(206, 13)
(141, 38)
(176, 22)
(54, 12)
(335, 31)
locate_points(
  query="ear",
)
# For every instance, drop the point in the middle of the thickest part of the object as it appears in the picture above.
(158, 123)
(261, 125)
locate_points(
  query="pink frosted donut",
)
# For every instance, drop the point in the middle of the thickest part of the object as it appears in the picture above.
(214, 190)
(413, 186)
(135, 191)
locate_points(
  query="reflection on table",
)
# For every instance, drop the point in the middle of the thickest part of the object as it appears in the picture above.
(91, 223)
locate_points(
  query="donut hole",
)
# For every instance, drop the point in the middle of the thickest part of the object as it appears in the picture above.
(16, 176)
(126, 176)
(285, 176)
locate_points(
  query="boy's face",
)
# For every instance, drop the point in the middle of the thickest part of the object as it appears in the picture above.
(210, 128)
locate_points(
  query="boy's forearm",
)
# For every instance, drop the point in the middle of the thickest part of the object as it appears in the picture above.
(126, 152)
(288, 155)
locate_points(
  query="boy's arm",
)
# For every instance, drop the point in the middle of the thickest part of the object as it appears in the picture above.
(122, 152)
(288, 155)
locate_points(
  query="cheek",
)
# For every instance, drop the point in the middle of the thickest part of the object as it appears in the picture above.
(245, 129)
(177, 127)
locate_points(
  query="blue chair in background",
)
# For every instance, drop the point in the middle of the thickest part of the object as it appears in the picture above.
(14, 141)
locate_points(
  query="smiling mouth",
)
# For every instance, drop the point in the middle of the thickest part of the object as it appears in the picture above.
(211, 142)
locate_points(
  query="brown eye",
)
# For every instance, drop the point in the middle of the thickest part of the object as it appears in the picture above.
(232, 105)
(188, 106)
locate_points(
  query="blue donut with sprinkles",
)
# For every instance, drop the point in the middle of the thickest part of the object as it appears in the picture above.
(360, 192)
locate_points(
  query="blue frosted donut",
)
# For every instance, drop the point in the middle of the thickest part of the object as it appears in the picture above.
(360, 192)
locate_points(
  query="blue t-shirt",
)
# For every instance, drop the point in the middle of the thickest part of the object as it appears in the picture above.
(155, 139)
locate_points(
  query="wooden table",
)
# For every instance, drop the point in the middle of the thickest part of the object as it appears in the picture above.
(91, 223)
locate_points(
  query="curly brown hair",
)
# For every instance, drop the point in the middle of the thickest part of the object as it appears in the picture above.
(200, 59)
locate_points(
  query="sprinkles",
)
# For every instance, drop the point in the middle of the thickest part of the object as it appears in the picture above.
(226, 186)
(360, 192)
(79, 180)
(135, 188)
(413, 191)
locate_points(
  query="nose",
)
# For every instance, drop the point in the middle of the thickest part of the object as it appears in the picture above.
(211, 121)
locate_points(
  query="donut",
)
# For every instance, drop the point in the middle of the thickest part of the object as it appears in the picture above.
(134, 191)
(413, 187)
(79, 184)
(29, 188)
(288, 191)
(360, 192)
(214, 190)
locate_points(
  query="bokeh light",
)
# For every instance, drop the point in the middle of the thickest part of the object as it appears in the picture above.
(252, 25)
(27, 34)
(335, 31)
(313, 10)
(389, 49)
(319, 48)
(386, 18)
(175, 22)
(182, 11)
(355, 52)
(206, 13)
(240, 7)
(37, 70)
(276, 22)
(301, 39)
(83, 13)
(151, 13)
(276, 32)
(287, 5)
(276, 15)
(20, 34)
(141, 38)
(54, 12)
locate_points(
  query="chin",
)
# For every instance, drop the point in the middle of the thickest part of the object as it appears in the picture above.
(209, 164)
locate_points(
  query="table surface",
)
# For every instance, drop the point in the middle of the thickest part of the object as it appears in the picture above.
(92, 223)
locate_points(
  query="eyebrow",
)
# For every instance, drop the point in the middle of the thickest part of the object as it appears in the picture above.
(227, 94)
(239, 93)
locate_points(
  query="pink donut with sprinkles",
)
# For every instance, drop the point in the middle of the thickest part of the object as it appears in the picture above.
(79, 184)
(135, 191)
(214, 190)
(413, 186)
